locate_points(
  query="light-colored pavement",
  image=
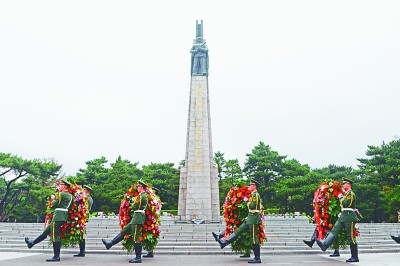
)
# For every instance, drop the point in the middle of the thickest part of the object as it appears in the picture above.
(31, 259)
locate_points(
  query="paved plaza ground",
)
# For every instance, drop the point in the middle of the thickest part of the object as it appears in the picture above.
(33, 259)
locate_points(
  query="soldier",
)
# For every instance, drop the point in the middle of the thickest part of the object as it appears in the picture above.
(199, 57)
(89, 202)
(133, 227)
(150, 253)
(252, 221)
(347, 219)
(60, 205)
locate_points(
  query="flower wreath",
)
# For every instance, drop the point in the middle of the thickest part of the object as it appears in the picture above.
(74, 228)
(235, 212)
(326, 210)
(150, 230)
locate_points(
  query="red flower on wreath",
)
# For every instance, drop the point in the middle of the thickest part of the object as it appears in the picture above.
(235, 211)
(150, 230)
(75, 227)
(324, 195)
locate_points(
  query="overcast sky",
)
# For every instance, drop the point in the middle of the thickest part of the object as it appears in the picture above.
(318, 81)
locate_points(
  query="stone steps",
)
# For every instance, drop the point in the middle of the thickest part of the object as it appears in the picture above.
(284, 237)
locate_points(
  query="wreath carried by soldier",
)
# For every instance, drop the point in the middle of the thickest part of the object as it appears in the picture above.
(235, 211)
(326, 209)
(150, 230)
(73, 230)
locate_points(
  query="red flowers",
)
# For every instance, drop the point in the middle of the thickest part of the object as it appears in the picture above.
(150, 230)
(235, 211)
(325, 196)
(75, 227)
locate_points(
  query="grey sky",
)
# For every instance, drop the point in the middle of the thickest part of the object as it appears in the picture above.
(316, 80)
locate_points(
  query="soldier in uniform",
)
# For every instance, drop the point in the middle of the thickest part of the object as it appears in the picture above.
(150, 253)
(133, 227)
(89, 203)
(60, 205)
(252, 221)
(347, 220)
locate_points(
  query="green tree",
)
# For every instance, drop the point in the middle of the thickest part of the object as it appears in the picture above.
(383, 163)
(379, 178)
(264, 165)
(220, 162)
(293, 187)
(95, 172)
(108, 194)
(370, 200)
(165, 177)
(293, 168)
(14, 169)
(32, 206)
(294, 194)
(231, 172)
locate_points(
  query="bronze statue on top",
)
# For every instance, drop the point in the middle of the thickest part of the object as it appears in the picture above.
(199, 53)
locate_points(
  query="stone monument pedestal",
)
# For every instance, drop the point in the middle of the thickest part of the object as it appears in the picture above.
(198, 187)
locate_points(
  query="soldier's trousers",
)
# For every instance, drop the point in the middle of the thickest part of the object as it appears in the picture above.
(348, 226)
(253, 228)
(133, 229)
(55, 229)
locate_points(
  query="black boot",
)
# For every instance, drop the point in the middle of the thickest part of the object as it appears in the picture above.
(56, 250)
(354, 253)
(256, 249)
(335, 253)
(31, 243)
(81, 249)
(230, 239)
(216, 237)
(149, 254)
(324, 245)
(396, 238)
(138, 252)
(111, 243)
(311, 242)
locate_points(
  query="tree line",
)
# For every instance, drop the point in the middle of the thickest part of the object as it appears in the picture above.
(286, 184)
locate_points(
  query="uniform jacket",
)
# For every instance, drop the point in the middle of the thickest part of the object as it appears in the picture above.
(348, 201)
(61, 204)
(139, 206)
(254, 206)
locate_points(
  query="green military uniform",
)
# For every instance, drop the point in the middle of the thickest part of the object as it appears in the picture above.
(60, 207)
(139, 206)
(348, 217)
(60, 215)
(134, 226)
(347, 220)
(253, 219)
(251, 223)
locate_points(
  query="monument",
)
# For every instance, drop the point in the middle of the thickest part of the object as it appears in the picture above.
(198, 187)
